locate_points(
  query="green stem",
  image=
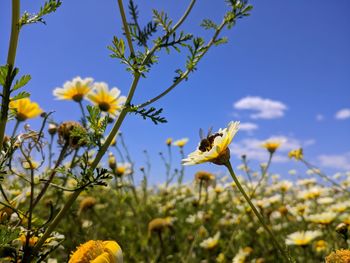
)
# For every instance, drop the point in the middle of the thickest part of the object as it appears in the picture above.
(264, 173)
(15, 128)
(126, 28)
(187, 72)
(323, 176)
(256, 212)
(52, 175)
(10, 62)
(83, 113)
(96, 161)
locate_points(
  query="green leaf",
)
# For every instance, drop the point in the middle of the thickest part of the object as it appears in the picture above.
(7, 234)
(208, 24)
(21, 82)
(21, 95)
(162, 19)
(3, 73)
(151, 113)
(48, 7)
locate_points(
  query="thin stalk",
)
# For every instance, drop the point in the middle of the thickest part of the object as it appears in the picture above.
(27, 248)
(256, 212)
(15, 128)
(323, 176)
(50, 150)
(98, 156)
(182, 171)
(11, 56)
(83, 113)
(187, 72)
(264, 173)
(126, 28)
(176, 26)
(246, 169)
(52, 175)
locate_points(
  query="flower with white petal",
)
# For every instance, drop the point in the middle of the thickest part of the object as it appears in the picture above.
(302, 238)
(214, 148)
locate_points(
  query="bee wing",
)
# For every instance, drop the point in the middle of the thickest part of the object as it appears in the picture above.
(201, 134)
(209, 131)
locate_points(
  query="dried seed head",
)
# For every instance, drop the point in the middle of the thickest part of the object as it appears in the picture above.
(66, 136)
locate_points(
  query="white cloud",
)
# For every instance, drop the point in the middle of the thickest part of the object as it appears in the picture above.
(248, 126)
(319, 117)
(342, 114)
(266, 108)
(337, 161)
(252, 147)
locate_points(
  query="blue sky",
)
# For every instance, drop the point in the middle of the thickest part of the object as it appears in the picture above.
(286, 68)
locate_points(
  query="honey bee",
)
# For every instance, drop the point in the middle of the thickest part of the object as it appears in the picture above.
(207, 142)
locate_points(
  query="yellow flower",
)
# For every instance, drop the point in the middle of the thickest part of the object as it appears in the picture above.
(87, 203)
(242, 255)
(220, 258)
(322, 218)
(32, 240)
(214, 148)
(211, 242)
(180, 143)
(30, 165)
(271, 146)
(112, 162)
(75, 90)
(123, 169)
(297, 154)
(159, 224)
(107, 100)
(302, 238)
(97, 251)
(169, 141)
(339, 256)
(204, 175)
(24, 109)
(321, 246)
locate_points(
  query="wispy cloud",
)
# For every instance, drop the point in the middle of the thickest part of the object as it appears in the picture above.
(319, 117)
(337, 161)
(252, 147)
(265, 108)
(342, 114)
(248, 126)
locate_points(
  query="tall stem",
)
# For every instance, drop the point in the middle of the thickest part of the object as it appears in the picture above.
(264, 173)
(100, 153)
(83, 113)
(10, 62)
(256, 212)
(15, 128)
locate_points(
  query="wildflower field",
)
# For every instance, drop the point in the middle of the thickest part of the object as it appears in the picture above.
(72, 191)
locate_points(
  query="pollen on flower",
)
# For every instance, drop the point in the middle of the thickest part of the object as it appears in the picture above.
(339, 256)
(97, 251)
(214, 148)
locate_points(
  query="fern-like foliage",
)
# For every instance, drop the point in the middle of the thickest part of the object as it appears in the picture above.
(48, 7)
(140, 35)
(162, 19)
(151, 113)
(174, 40)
